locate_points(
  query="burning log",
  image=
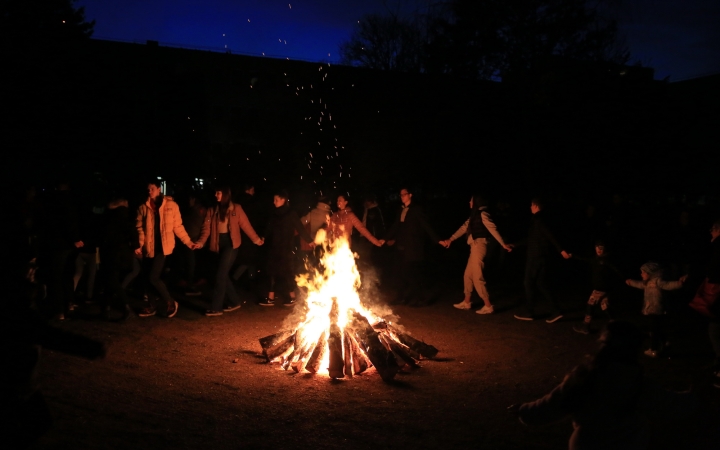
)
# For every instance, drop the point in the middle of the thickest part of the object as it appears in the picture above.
(299, 365)
(313, 364)
(347, 352)
(272, 340)
(337, 329)
(359, 360)
(400, 351)
(381, 357)
(425, 350)
(282, 348)
(335, 346)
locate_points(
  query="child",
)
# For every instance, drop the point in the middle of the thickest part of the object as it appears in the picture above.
(653, 285)
(602, 275)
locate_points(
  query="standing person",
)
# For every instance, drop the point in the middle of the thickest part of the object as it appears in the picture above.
(602, 275)
(373, 218)
(222, 225)
(343, 222)
(653, 306)
(609, 399)
(61, 240)
(86, 261)
(117, 244)
(317, 218)
(707, 296)
(540, 243)
(158, 222)
(248, 254)
(409, 232)
(478, 229)
(193, 218)
(280, 232)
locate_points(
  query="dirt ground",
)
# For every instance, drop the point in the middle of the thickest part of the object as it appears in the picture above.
(174, 383)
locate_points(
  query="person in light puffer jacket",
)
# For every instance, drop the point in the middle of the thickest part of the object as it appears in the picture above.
(158, 222)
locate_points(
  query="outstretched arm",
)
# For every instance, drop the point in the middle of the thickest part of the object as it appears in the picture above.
(245, 225)
(363, 231)
(635, 283)
(178, 227)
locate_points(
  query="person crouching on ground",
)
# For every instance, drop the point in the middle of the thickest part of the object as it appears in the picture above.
(222, 225)
(609, 398)
(158, 222)
(653, 307)
(603, 273)
(478, 229)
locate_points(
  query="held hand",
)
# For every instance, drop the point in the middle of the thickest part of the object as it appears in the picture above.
(79, 244)
(628, 282)
(380, 243)
(262, 241)
(445, 243)
(566, 255)
(138, 251)
(508, 247)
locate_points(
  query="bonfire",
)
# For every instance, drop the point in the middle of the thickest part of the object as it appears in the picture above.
(333, 331)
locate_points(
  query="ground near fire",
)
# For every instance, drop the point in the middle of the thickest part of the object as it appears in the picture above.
(194, 382)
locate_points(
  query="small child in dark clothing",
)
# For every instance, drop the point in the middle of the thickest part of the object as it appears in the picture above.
(603, 274)
(653, 304)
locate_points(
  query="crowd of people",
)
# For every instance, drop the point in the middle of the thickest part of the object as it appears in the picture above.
(117, 258)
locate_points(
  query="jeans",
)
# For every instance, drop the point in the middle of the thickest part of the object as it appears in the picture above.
(59, 285)
(536, 281)
(156, 266)
(223, 283)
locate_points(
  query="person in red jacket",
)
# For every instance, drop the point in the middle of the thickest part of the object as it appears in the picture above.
(344, 220)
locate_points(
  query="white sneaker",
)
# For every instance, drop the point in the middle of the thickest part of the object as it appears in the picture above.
(463, 305)
(485, 310)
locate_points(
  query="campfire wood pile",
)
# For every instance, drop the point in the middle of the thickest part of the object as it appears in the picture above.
(351, 350)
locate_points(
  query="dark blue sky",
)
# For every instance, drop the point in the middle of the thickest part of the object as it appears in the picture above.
(679, 38)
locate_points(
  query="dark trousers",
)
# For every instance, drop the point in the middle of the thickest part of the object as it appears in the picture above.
(657, 326)
(60, 282)
(223, 283)
(536, 282)
(136, 268)
(155, 267)
(114, 291)
(409, 279)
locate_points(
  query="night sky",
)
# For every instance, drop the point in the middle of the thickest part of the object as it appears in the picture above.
(680, 39)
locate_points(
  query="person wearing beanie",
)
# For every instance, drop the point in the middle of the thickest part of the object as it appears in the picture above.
(653, 308)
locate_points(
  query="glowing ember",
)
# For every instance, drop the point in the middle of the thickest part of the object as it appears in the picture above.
(332, 330)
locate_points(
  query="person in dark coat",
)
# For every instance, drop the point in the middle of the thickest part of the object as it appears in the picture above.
(61, 239)
(408, 235)
(280, 235)
(118, 241)
(247, 259)
(540, 245)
